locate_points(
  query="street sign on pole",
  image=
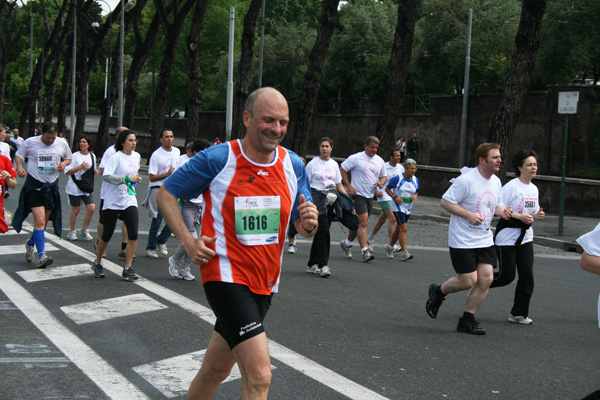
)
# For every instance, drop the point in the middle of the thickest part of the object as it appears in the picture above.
(567, 104)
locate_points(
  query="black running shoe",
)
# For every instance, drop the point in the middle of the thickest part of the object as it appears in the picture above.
(434, 301)
(98, 270)
(129, 274)
(470, 325)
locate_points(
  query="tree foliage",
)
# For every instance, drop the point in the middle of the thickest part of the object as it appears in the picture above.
(440, 42)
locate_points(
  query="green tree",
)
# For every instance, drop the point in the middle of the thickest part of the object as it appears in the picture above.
(437, 64)
(357, 59)
(569, 49)
(527, 43)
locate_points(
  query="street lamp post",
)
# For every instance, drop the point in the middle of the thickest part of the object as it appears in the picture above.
(121, 51)
(71, 136)
(106, 135)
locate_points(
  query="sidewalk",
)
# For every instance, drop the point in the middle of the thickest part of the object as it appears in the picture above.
(546, 231)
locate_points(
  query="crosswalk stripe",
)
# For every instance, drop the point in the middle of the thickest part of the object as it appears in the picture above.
(115, 385)
(46, 274)
(173, 376)
(100, 310)
(20, 249)
(296, 361)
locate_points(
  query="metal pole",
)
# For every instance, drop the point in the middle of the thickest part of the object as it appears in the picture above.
(262, 41)
(73, 74)
(31, 50)
(464, 117)
(229, 112)
(121, 51)
(563, 186)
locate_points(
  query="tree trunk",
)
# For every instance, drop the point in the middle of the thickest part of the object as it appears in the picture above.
(41, 67)
(172, 32)
(527, 43)
(312, 78)
(140, 56)
(244, 67)
(195, 72)
(65, 89)
(398, 68)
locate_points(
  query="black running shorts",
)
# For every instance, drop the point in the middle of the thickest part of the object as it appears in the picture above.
(240, 312)
(465, 261)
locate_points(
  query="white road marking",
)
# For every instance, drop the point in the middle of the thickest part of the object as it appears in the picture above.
(115, 385)
(20, 249)
(173, 376)
(45, 274)
(296, 361)
(100, 310)
(34, 360)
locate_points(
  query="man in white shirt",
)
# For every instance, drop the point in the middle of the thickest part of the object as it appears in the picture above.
(47, 156)
(473, 200)
(392, 168)
(368, 172)
(4, 147)
(16, 138)
(163, 162)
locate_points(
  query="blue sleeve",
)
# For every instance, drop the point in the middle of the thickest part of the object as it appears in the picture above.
(418, 183)
(303, 183)
(393, 182)
(195, 176)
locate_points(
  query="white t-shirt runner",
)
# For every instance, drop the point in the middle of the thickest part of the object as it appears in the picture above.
(366, 172)
(78, 159)
(390, 172)
(160, 162)
(121, 164)
(108, 153)
(182, 160)
(523, 199)
(323, 175)
(477, 194)
(5, 149)
(591, 242)
(43, 160)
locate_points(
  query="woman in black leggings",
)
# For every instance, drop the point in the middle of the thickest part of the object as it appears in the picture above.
(121, 171)
(514, 237)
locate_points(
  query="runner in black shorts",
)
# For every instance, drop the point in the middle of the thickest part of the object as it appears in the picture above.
(240, 312)
(473, 200)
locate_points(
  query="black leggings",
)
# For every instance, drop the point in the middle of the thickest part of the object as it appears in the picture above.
(511, 258)
(130, 218)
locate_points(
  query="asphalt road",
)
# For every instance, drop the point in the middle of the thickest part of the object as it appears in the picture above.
(362, 333)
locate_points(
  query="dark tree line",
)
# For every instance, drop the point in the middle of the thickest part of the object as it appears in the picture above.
(147, 22)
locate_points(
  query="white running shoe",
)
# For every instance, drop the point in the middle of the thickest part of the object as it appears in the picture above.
(325, 272)
(85, 235)
(397, 248)
(370, 240)
(367, 256)
(173, 268)
(406, 256)
(292, 249)
(29, 251)
(313, 270)
(519, 319)
(72, 235)
(186, 275)
(162, 248)
(389, 251)
(150, 253)
(347, 249)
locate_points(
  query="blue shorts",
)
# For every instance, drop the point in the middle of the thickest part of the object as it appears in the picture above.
(401, 218)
